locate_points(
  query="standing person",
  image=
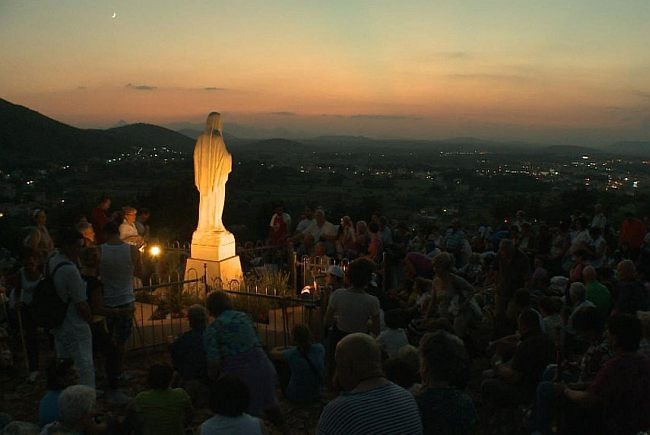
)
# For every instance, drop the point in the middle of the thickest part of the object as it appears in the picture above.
(39, 239)
(279, 226)
(630, 294)
(73, 339)
(119, 263)
(21, 297)
(128, 230)
(141, 223)
(88, 233)
(632, 232)
(99, 217)
(232, 346)
(370, 403)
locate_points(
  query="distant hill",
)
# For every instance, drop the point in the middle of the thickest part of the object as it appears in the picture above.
(570, 150)
(632, 148)
(28, 138)
(275, 146)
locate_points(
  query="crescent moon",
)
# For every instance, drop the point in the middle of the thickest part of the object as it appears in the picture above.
(114, 15)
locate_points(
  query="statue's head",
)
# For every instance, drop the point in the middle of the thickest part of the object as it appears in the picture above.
(214, 122)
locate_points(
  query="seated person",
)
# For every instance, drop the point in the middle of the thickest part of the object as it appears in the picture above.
(549, 308)
(160, 409)
(77, 412)
(60, 375)
(189, 360)
(187, 352)
(444, 406)
(618, 400)
(306, 362)
(589, 327)
(393, 337)
(229, 399)
(516, 380)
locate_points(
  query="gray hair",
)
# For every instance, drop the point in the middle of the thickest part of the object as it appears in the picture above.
(197, 314)
(83, 226)
(75, 402)
(578, 290)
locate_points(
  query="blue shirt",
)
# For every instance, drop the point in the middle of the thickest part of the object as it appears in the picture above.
(230, 334)
(304, 385)
(48, 408)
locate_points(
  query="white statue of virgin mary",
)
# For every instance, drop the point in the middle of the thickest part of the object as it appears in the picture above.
(212, 164)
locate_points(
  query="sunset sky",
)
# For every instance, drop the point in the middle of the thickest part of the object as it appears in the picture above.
(553, 71)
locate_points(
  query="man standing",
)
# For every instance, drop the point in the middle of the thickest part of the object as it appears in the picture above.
(99, 217)
(118, 265)
(73, 339)
(371, 404)
(128, 230)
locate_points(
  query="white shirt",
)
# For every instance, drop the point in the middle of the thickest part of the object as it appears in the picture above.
(116, 270)
(128, 230)
(353, 310)
(327, 229)
(599, 221)
(304, 224)
(220, 424)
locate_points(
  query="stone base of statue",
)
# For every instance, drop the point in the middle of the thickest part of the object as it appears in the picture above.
(213, 253)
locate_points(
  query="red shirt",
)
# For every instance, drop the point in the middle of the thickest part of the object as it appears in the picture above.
(632, 231)
(99, 219)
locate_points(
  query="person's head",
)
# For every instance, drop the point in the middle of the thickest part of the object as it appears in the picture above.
(112, 231)
(589, 324)
(302, 336)
(400, 372)
(334, 276)
(373, 227)
(506, 248)
(578, 292)
(160, 376)
(319, 215)
(411, 356)
(197, 316)
(539, 261)
(358, 357)
(528, 322)
(70, 243)
(217, 303)
(598, 208)
(346, 221)
(308, 212)
(104, 203)
(589, 274)
(394, 318)
(129, 214)
(624, 332)
(362, 227)
(143, 215)
(76, 405)
(39, 217)
(60, 373)
(87, 231)
(360, 272)
(230, 396)
(443, 359)
(626, 270)
(442, 264)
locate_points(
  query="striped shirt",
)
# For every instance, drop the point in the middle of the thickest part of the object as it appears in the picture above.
(388, 409)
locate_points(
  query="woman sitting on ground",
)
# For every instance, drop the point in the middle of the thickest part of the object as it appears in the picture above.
(229, 401)
(306, 362)
(233, 347)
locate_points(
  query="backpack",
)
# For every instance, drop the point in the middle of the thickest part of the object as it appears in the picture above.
(48, 309)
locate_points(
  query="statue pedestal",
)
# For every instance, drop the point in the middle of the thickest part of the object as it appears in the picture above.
(214, 253)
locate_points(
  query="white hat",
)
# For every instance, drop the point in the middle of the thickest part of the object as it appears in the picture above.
(335, 270)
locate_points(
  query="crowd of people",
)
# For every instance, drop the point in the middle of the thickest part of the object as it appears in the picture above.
(555, 317)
